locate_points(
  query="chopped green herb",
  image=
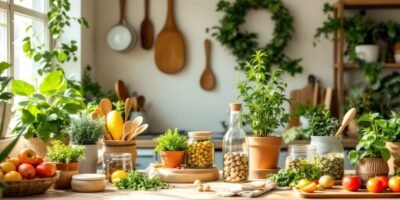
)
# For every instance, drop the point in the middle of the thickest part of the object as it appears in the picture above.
(140, 181)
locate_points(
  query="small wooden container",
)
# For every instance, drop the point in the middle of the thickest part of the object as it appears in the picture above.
(66, 171)
(88, 183)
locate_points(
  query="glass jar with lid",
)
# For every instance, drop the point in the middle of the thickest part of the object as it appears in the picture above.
(235, 149)
(200, 150)
(299, 155)
(118, 161)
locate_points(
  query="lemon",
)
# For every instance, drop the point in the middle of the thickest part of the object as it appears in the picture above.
(7, 167)
(303, 183)
(117, 175)
(114, 124)
(12, 176)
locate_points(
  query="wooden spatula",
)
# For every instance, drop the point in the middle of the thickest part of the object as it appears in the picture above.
(207, 80)
(128, 108)
(138, 131)
(121, 90)
(146, 28)
(128, 128)
(346, 120)
(137, 121)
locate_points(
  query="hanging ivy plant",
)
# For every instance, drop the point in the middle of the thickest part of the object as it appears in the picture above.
(243, 44)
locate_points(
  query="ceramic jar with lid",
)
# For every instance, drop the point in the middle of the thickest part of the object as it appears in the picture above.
(200, 151)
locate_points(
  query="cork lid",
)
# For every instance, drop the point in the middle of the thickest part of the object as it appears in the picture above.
(235, 106)
(200, 134)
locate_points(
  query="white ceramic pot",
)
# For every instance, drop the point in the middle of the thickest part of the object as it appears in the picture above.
(327, 144)
(368, 52)
(88, 183)
(88, 165)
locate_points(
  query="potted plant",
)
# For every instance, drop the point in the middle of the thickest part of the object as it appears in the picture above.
(171, 146)
(391, 129)
(86, 132)
(264, 95)
(45, 111)
(370, 155)
(5, 106)
(65, 158)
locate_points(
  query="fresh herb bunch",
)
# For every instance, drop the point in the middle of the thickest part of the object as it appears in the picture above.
(85, 131)
(372, 142)
(140, 181)
(264, 95)
(320, 123)
(391, 127)
(61, 153)
(290, 177)
(171, 141)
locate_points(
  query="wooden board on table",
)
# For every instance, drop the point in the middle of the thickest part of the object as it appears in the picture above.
(338, 192)
(173, 175)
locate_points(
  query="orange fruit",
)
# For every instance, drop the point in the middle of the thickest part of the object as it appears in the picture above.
(12, 176)
(310, 188)
(7, 166)
(14, 161)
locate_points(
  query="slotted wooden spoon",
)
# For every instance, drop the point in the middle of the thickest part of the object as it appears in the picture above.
(207, 80)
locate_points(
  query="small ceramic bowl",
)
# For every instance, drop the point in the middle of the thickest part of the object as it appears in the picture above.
(88, 183)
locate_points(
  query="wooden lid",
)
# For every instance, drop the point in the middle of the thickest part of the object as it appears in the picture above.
(89, 177)
(235, 106)
(200, 134)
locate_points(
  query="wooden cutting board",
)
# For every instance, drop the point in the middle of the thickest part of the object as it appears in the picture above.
(172, 175)
(338, 192)
(170, 46)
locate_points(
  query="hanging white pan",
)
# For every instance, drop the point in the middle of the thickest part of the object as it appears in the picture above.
(120, 38)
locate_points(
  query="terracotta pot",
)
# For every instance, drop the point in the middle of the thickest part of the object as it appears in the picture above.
(116, 146)
(394, 161)
(66, 171)
(172, 159)
(264, 154)
(367, 168)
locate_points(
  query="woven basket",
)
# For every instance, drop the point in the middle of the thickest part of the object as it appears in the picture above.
(394, 161)
(27, 187)
(117, 146)
(367, 168)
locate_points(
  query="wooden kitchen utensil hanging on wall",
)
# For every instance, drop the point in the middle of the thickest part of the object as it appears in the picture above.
(147, 28)
(170, 45)
(207, 80)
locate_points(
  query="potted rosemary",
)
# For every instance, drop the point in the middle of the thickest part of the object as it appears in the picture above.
(171, 147)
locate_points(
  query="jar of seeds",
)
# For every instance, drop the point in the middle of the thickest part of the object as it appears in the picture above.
(200, 151)
(299, 155)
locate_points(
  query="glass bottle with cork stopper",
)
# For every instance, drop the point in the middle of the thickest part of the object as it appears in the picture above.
(235, 148)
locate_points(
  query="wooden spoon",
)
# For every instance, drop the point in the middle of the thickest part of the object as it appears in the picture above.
(128, 128)
(128, 108)
(170, 46)
(138, 131)
(140, 103)
(146, 28)
(137, 121)
(346, 120)
(207, 80)
(134, 103)
(106, 105)
(121, 90)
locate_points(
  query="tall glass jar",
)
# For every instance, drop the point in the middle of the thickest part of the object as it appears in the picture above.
(299, 155)
(118, 161)
(200, 151)
(235, 149)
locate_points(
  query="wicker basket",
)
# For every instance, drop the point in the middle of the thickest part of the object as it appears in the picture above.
(117, 146)
(367, 168)
(27, 187)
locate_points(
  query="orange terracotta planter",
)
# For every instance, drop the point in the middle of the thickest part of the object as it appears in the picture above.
(172, 159)
(264, 153)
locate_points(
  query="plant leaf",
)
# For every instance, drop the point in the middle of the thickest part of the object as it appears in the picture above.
(22, 88)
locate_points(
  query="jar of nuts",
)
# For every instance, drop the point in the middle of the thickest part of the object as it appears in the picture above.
(299, 155)
(200, 150)
(235, 149)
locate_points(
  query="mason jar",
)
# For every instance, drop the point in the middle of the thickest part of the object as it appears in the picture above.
(299, 155)
(118, 161)
(200, 151)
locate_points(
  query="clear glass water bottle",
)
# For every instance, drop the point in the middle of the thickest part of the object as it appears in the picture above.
(235, 149)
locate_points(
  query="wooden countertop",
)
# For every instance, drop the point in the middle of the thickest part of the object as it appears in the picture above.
(180, 191)
(348, 143)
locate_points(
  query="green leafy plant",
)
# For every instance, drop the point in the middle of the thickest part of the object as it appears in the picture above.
(85, 131)
(92, 90)
(140, 181)
(45, 111)
(61, 153)
(4, 81)
(372, 142)
(391, 127)
(320, 123)
(171, 141)
(242, 44)
(264, 95)
(290, 177)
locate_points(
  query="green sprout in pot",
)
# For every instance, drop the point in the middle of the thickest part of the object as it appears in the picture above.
(85, 131)
(171, 146)
(61, 153)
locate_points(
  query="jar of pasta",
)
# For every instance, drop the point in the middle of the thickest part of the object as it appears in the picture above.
(200, 151)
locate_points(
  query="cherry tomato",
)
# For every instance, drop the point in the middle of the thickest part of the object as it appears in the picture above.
(351, 183)
(394, 184)
(375, 185)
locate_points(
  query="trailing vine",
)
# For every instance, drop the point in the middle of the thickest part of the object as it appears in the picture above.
(243, 44)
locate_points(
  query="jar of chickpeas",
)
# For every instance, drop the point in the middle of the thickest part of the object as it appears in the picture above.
(200, 151)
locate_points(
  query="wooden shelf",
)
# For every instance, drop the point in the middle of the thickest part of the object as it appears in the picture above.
(350, 66)
(375, 4)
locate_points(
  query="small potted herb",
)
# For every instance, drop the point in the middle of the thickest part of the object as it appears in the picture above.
(65, 158)
(86, 132)
(171, 146)
(370, 151)
(391, 129)
(264, 95)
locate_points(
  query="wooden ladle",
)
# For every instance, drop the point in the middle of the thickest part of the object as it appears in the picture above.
(146, 28)
(346, 120)
(207, 80)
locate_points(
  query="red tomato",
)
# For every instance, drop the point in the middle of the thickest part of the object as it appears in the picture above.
(351, 183)
(39, 160)
(316, 181)
(375, 185)
(394, 184)
(27, 156)
(384, 180)
(27, 171)
(46, 170)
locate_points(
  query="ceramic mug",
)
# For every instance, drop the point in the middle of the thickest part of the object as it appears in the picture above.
(367, 52)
